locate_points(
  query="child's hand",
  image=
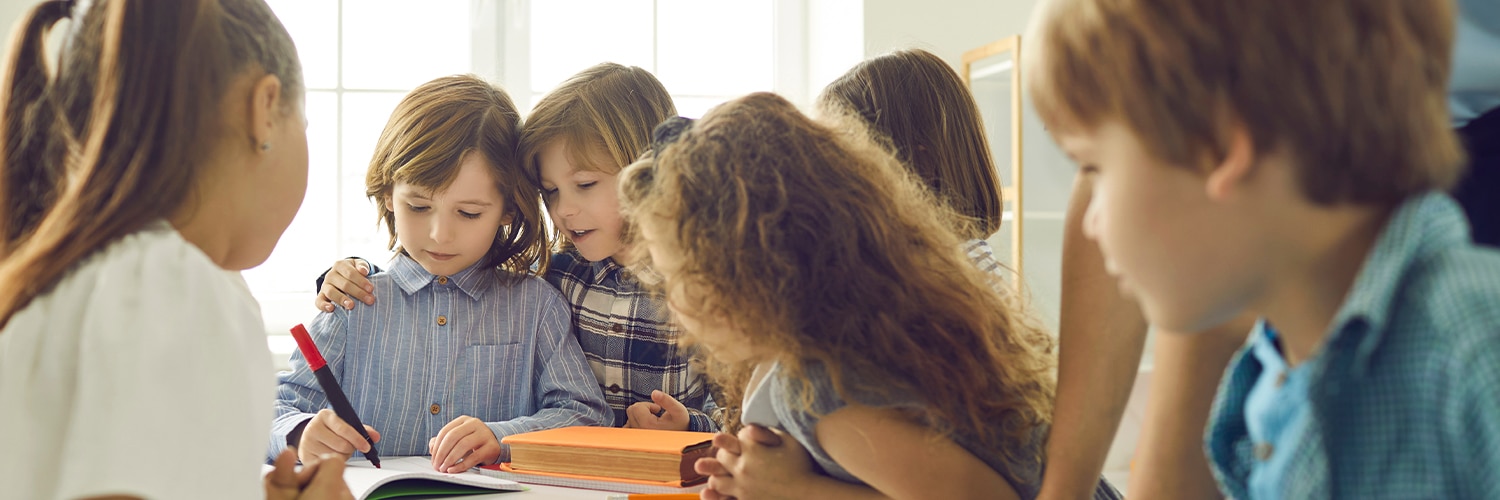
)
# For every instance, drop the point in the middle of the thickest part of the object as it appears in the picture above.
(718, 474)
(664, 413)
(327, 433)
(346, 281)
(463, 443)
(759, 463)
(319, 478)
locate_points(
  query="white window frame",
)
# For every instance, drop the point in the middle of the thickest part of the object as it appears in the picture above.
(500, 36)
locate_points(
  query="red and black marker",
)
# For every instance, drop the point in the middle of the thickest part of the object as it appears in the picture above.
(331, 388)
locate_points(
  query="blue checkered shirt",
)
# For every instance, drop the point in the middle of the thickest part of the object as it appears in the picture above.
(628, 337)
(1405, 392)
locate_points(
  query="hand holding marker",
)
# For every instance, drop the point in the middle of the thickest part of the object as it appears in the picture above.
(331, 388)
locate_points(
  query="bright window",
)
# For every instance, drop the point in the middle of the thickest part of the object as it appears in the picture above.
(360, 57)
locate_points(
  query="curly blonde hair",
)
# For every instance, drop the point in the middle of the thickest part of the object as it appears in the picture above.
(817, 246)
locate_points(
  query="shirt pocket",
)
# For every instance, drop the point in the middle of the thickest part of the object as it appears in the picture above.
(496, 382)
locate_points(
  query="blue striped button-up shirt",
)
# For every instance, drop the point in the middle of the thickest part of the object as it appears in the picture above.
(1405, 391)
(481, 343)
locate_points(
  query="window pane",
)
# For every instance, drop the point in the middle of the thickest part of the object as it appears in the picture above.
(365, 114)
(307, 247)
(391, 45)
(738, 60)
(694, 107)
(567, 37)
(313, 25)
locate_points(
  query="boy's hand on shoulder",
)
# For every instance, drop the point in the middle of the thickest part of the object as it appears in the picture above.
(664, 412)
(464, 443)
(346, 282)
(320, 478)
(327, 433)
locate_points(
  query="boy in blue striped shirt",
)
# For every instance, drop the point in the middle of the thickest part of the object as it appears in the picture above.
(468, 346)
(1287, 158)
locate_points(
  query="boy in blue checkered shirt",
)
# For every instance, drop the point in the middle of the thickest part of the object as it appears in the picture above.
(1288, 158)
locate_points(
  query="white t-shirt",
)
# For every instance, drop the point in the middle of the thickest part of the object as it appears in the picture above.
(145, 372)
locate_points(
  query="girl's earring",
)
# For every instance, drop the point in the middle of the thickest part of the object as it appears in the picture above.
(265, 146)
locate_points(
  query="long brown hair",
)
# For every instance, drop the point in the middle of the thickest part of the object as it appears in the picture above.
(122, 135)
(426, 139)
(925, 113)
(821, 248)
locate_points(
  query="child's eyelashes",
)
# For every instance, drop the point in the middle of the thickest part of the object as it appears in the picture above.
(1089, 170)
(421, 209)
(586, 185)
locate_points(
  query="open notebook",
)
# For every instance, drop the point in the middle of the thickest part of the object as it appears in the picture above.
(413, 476)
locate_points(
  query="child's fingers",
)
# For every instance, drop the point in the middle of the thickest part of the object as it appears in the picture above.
(638, 415)
(729, 461)
(339, 288)
(711, 494)
(709, 466)
(463, 457)
(323, 303)
(669, 403)
(340, 431)
(333, 294)
(282, 481)
(723, 486)
(328, 480)
(447, 441)
(726, 442)
(759, 435)
(374, 434)
(352, 278)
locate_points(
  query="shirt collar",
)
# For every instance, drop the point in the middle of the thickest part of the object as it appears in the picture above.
(1423, 225)
(411, 277)
(597, 271)
(1263, 346)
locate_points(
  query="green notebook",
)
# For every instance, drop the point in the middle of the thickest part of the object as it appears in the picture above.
(413, 476)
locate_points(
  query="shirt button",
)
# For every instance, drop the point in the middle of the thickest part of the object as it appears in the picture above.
(442, 280)
(616, 328)
(614, 388)
(442, 320)
(435, 409)
(1263, 451)
(1280, 379)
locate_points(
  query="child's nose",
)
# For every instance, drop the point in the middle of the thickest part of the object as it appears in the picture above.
(442, 231)
(565, 206)
(1091, 220)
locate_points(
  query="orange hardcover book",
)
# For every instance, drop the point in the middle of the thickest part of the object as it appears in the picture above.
(611, 453)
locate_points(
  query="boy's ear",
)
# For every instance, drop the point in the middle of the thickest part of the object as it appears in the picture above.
(1235, 168)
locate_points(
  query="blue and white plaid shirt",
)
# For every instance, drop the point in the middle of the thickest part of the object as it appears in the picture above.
(1405, 393)
(628, 337)
(481, 343)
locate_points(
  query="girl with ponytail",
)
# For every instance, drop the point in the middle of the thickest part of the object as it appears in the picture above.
(168, 152)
